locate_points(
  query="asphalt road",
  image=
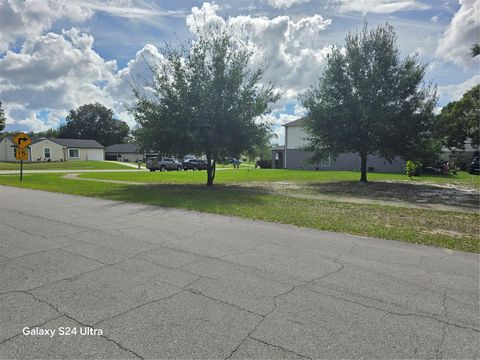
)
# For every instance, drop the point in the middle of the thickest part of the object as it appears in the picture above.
(166, 283)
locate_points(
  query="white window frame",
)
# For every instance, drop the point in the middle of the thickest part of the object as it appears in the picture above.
(325, 162)
(74, 157)
(49, 153)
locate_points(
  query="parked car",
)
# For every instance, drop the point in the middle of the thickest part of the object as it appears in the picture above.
(474, 167)
(194, 164)
(163, 164)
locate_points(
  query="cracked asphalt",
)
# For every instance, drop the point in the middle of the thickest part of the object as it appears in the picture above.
(168, 283)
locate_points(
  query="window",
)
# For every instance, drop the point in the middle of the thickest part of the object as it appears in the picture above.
(73, 153)
(46, 153)
(325, 162)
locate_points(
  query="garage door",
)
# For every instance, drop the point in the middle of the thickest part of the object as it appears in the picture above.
(95, 154)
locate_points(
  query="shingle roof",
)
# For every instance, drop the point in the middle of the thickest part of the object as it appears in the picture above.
(123, 148)
(78, 143)
(298, 122)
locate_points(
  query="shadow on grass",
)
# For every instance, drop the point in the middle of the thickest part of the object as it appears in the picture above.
(188, 196)
(397, 191)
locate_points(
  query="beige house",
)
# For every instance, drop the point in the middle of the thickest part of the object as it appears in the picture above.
(50, 149)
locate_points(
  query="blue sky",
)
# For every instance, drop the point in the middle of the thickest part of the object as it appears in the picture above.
(56, 55)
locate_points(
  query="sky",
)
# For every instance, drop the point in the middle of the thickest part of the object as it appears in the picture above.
(56, 55)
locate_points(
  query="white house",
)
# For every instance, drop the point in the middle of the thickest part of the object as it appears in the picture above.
(51, 149)
(293, 156)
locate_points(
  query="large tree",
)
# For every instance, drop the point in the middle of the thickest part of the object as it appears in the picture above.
(460, 120)
(94, 121)
(369, 101)
(3, 119)
(205, 99)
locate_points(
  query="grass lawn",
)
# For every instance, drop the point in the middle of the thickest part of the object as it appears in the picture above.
(63, 165)
(280, 175)
(454, 230)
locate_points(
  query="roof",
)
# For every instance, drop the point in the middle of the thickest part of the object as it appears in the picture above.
(123, 148)
(298, 122)
(70, 143)
(78, 143)
(278, 148)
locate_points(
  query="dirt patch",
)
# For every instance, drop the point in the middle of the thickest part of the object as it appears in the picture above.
(412, 193)
(455, 234)
(403, 194)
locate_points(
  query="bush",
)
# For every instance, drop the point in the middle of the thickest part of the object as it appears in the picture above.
(412, 168)
(264, 164)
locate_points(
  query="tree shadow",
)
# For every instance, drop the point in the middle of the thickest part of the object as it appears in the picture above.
(189, 196)
(397, 191)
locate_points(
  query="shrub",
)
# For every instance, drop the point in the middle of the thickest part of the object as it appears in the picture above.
(412, 168)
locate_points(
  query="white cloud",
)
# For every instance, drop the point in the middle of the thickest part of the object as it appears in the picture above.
(454, 92)
(379, 6)
(279, 4)
(54, 73)
(294, 51)
(136, 73)
(461, 34)
(28, 19)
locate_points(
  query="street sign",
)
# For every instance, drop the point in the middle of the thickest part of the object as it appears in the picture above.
(21, 154)
(22, 140)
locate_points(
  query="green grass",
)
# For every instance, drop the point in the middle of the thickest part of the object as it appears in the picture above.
(63, 165)
(452, 230)
(281, 175)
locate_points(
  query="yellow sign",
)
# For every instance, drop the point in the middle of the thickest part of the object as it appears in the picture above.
(21, 154)
(22, 140)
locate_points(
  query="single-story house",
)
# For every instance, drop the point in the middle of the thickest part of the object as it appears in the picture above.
(52, 149)
(124, 152)
(293, 156)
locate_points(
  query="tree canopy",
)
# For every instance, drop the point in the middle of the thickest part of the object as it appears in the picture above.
(3, 119)
(94, 121)
(475, 50)
(205, 99)
(460, 120)
(369, 101)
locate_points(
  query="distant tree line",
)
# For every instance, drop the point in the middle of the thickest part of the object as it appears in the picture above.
(90, 121)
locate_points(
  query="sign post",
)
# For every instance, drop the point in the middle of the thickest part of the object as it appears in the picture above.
(21, 141)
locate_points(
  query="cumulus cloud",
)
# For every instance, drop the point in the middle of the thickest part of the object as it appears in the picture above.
(137, 73)
(454, 92)
(294, 52)
(54, 72)
(28, 19)
(379, 6)
(461, 34)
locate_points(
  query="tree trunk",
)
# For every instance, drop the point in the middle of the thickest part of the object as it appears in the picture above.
(210, 169)
(363, 167)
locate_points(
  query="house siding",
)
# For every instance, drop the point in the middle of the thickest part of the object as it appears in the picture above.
(37, 151)
(296, 158)
(6, 150)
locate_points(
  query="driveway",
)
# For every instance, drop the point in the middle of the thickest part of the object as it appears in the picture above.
(137, 281)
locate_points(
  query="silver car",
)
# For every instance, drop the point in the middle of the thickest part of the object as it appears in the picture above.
(163, 164)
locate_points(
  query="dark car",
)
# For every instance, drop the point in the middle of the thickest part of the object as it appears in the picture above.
(474, 167)
(194, 164)
(163, 164)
